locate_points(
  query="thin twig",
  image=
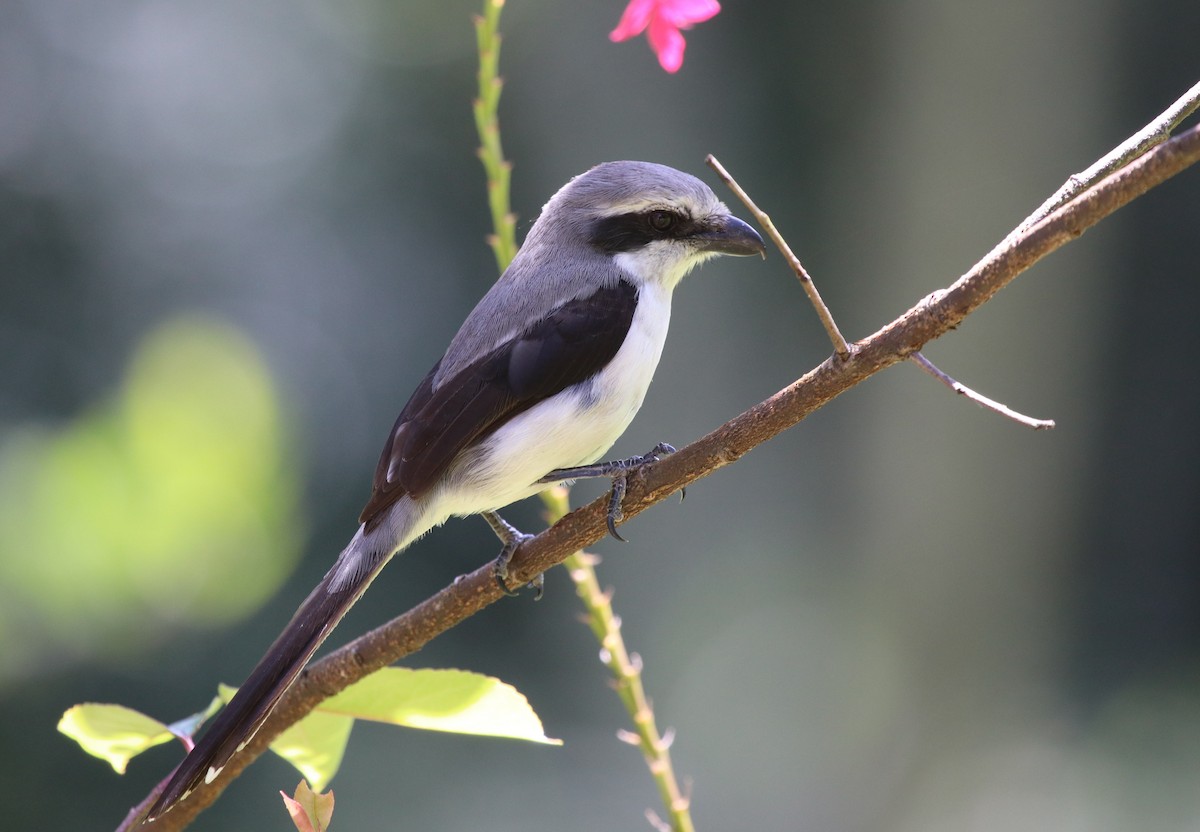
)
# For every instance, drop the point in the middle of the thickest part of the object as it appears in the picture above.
(1153, 134)
(979, 399)
(835, 336)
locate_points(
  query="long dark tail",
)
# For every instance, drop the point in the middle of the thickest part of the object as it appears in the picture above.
(238, 721)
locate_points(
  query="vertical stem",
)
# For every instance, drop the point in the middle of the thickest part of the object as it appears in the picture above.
(487, 124)
(625, 667)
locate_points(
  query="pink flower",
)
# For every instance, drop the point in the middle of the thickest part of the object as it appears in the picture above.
(665, 18)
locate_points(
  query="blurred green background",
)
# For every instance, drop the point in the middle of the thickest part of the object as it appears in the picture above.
(234, 235)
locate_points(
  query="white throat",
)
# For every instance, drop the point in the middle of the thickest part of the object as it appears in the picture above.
(662, 262)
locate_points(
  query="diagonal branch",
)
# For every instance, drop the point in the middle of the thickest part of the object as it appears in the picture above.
(930, 318)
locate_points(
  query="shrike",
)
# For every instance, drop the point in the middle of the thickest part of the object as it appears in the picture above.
(543, 376)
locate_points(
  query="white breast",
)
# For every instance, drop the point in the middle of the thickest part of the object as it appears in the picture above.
(570, 429)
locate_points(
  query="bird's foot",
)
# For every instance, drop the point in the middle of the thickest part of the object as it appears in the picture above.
(619, 470)
(512, 538)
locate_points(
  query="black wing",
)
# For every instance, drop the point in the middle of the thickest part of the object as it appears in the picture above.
(568, 346)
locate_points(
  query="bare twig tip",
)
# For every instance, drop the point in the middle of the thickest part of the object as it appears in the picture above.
(810, 288)
(979, 399)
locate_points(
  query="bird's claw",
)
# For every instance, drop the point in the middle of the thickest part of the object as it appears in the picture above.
(619, 470)
(512, 539)
(500, 569)
(620, 483)
(615, 514)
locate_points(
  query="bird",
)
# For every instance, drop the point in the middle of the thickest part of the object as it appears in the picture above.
(542, 378)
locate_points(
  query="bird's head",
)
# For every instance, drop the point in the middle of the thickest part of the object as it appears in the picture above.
(655, 222)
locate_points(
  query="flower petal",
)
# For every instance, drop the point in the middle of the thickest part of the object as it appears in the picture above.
(634, 20)
(668, 44)
(683, 13)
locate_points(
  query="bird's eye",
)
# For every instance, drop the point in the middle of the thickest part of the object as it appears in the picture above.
(661, 220)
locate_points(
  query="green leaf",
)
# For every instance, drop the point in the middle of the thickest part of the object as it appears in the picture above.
(310, 811)
(457, 701)
(315, 746)
(113, 732)
(441, 700)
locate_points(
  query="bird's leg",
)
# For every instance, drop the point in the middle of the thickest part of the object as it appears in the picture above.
(512, 538)
(619, 470)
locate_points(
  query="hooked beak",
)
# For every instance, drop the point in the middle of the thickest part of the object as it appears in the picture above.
(726, 234)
